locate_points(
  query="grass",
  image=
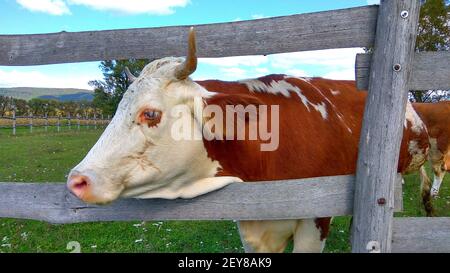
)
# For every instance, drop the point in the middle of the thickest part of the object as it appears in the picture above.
(48, 156)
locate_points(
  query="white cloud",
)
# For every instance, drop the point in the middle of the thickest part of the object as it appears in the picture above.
(53, 7)
(331, 58)
(160, 7)
(258, 16)
(297, 73)
(346, 74)
(233, 73)
(333, 64)
(235, 61)
(16, 78)
(262, 70)
(60, 7)
(373, 2)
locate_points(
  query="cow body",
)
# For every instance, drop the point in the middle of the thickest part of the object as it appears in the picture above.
(436, 117)
(320, 123)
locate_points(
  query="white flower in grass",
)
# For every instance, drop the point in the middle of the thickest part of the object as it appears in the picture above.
(139, 225)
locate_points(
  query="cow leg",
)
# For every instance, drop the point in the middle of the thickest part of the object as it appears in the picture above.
(425, 187)
(438, 166)
(310, 235)
(439, 173)
(266, 236)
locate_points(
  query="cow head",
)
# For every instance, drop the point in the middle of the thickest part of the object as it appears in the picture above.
(137, 155)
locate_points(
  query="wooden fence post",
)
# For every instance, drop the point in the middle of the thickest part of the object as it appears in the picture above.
(46, 121)
(382, 128)
(31, 122)
(14, 120)
(78, 122)
(58, 125)
(69, 123)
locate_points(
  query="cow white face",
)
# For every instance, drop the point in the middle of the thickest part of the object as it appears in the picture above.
(137, 155)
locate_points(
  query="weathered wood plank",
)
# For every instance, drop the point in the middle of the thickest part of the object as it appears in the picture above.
(398, 194)
(424, 235)
(431, 70)
(382, 128)
(293, 199)
(353, 27)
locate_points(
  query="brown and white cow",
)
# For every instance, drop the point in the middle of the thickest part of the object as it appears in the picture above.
(318, 126)
(436, 117)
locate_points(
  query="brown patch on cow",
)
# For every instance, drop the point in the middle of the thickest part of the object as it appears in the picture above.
(307, 142)
(323, 224)
(267, 80)
(436, 117)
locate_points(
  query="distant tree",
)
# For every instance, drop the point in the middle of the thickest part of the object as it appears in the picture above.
(38, 106)
(21, 106)
(433, 35)
(109, 91)
(4, 105)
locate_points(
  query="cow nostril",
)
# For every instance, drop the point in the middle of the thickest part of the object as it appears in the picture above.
(79, 185)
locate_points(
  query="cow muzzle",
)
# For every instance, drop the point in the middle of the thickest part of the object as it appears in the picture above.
(84, 185)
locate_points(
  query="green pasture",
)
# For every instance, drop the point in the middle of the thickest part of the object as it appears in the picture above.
(48, 156)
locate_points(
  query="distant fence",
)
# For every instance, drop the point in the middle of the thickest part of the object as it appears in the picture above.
(69, 122)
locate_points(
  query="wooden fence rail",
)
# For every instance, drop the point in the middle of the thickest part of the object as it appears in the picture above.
(354, 27)
(291, 199)
(431, 70)
(425, 235)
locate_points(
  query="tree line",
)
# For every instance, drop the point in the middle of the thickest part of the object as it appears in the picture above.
(45, 107)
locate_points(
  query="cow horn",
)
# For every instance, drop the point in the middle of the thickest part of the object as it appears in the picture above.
(190, 64)
(130, 75)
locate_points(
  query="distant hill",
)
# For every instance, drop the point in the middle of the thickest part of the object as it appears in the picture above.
(81, 96)
(61, 94)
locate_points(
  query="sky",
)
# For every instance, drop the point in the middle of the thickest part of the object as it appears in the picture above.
(47, 16)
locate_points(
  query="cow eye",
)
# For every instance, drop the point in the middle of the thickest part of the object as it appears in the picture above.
(151, 115)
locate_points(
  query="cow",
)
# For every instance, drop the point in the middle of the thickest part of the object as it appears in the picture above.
(315, 133)
(436, 117)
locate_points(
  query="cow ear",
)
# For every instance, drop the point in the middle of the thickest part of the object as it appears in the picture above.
(222, 114)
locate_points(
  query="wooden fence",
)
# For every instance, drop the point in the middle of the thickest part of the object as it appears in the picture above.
(69, 122)
(393, 69)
